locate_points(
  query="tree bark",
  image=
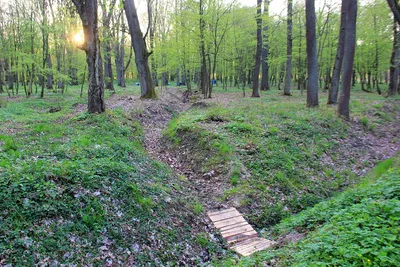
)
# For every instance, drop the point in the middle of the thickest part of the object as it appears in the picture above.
(119, 57)
(348, 59)
(394, 7)
(256, 74)
(265, 50)
(394, 63)
(87, 10)
(204, 81)
(334, 88)
(1, 76)
(141, 53)
(288, 76)
(108, 72)
(312, 57)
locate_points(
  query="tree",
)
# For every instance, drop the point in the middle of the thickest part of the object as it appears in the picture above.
(395, 58)
(348, 58)
(288, 77)
(108, 72)
(256, 92)
(141, 53)
(204, 75)
(394, 7)
(312, 58)
(265, 49)
(334, 87)
(119, 48)
(87, 10)
(394, 70)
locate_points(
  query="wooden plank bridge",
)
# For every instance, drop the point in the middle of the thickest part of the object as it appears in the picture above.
(237, 232)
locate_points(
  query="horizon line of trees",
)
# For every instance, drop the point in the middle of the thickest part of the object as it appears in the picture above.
(203, 42)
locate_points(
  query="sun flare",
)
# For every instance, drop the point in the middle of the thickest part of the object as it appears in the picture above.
(78, 38)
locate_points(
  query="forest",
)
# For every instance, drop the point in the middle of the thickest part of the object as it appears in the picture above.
(131, 131)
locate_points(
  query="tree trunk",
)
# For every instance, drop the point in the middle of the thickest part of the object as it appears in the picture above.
(1, 76)
(265, 50)
(87, 10)
(348, 59)
(394, 63)
(108, 73)
(119, 56)
(288, 76)
(334, 88)
(50, 72)
(59, 54)
(10, 82)
(256, 74)
(312, 57)
(152, 25)
(394, 6)
(204, 76)
(141, 53)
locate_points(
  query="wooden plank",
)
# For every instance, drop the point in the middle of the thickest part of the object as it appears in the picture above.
(239, 234)
(257, 246)
(225, 215)
(241, 237)
(250, 246)
(233, 226)
(238, 230)
(219, 212)
(228, 222)
(246, 242)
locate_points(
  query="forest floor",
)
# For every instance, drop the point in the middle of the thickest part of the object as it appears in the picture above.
(132, 186)
(371, 136)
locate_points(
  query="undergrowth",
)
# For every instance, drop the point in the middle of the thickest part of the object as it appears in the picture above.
(359, 227)
(77, 188)
(280, 146)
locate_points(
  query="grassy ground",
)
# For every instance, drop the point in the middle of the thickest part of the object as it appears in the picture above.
(276, 156)
(79, 188)
(359, 227)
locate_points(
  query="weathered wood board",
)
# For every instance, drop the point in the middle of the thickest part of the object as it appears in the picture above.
(237, 232)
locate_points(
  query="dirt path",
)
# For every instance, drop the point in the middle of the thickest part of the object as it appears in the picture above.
(154, 114)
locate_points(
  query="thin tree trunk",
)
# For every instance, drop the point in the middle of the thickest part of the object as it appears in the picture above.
(256, 92)
(120, 55)
(108, 72)
(1, 76)
(204, 76)
(312, 57)
(334, 88)
(265, 50)
(288, 76)
(394, 63)
(348, 59)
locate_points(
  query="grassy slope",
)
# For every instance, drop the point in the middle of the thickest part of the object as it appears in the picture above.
(80, 189)
(271, 151)
(359, 227)
(271, 154)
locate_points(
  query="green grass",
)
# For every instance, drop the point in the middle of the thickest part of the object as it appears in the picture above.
(75, 187)
(359, 227)
(280, 143)
(280, 146)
